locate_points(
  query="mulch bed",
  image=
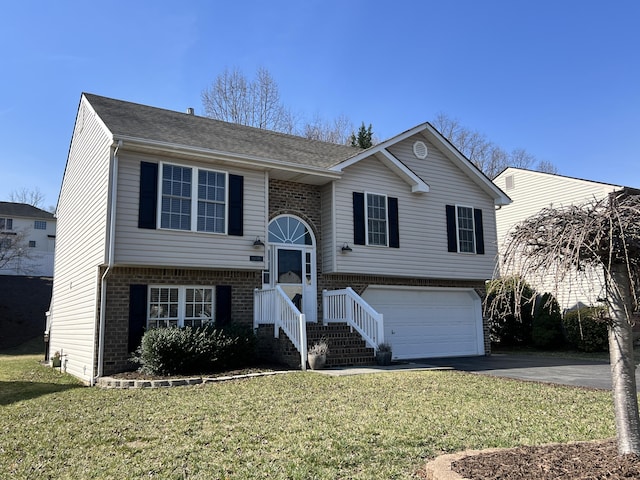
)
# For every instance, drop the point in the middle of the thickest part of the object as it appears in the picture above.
(575, 461)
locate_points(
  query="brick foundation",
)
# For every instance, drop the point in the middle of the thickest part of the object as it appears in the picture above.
(116, 334)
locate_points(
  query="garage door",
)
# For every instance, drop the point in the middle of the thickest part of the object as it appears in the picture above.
(429, 322)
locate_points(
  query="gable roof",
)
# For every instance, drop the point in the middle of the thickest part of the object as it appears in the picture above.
(12, 209)
(126, 120)
(509, 170)
(161, 129)
(429, 132)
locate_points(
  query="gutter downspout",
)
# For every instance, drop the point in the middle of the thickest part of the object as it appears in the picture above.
(110, 254)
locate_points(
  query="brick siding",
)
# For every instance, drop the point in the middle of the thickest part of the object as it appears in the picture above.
(116, 334)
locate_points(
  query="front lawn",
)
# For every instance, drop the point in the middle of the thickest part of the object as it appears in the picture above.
(298, 425)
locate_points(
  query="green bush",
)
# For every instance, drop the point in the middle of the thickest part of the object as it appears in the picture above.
(585, 330)
(188, 351)
(547, 324)
(506, 326)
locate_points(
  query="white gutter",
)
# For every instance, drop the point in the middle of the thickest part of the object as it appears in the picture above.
(110, 254)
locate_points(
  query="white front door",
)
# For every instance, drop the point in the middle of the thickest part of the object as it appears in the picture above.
(292, 263)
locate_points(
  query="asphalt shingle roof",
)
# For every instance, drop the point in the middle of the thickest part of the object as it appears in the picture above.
(11, 209)
(156, 124)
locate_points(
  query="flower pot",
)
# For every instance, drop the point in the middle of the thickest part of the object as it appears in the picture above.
(316, 361)
(383, 358)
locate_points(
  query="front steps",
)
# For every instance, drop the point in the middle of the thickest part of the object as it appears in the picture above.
(346, 348)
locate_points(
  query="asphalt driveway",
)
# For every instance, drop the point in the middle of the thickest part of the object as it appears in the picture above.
(567, 371)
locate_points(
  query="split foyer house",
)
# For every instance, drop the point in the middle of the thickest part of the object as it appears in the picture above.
(27, 240)
(532, 191)
(171, 219)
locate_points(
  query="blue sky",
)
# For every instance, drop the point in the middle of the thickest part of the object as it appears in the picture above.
(559, 78)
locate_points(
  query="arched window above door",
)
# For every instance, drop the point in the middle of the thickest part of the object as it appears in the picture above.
(289, 230)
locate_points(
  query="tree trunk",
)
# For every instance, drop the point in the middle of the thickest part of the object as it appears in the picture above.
(623, 377)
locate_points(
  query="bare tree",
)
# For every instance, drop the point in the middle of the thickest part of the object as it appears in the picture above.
(484, 154)
(602, 235)
(30, 196)
(234, 98)
(14, 250)
(337, 131)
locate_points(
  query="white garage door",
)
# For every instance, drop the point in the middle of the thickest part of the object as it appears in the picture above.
(429, 322)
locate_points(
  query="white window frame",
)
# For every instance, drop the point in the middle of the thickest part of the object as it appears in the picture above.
(194, 198)
(473, 230)
(39, 225)
(7, 224)
(386, 220)
(179, 320)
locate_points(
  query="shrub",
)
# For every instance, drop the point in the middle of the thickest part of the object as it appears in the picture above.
(586, 330)
(508, 325)
(186, 351)
(547, 323)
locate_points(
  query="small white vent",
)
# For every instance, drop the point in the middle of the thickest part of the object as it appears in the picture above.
(420, 150)
(509, 182)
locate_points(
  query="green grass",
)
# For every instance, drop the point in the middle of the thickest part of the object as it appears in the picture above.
(298, 425)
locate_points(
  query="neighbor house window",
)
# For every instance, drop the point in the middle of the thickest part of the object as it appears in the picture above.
(376, 209)
(180, 306)
(32, 243)
(6, 223)
(40, 225)
(184, 199)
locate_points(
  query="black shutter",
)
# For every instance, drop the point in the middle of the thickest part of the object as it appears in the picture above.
(358, 219)
(137, 314)
(394, 229)
(477, 219)
(148, 197)
(223, 305)
(452, 234)
(236, 194)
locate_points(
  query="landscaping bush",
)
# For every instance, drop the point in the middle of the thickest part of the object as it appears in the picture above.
(506, 327)
(187, 351)
(547, 324)
(586, 330)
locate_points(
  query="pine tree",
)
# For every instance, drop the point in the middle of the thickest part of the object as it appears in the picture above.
(364, 139)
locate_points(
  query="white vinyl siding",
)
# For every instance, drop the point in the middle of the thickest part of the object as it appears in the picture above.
(175, 248)
(40, 260)
(80, 245)
(423, 251)
(531, 192)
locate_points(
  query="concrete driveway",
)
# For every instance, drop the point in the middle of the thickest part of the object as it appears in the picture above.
(566, 371)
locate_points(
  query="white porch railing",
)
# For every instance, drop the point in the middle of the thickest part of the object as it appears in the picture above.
(273, 306)
(347, 306)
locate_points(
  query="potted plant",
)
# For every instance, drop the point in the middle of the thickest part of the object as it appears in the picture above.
(317, 354)
(383, 354)
(56, 361)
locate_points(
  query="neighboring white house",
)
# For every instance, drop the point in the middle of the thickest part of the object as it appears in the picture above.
(532, 191)
(28, 238)
(168, 218)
